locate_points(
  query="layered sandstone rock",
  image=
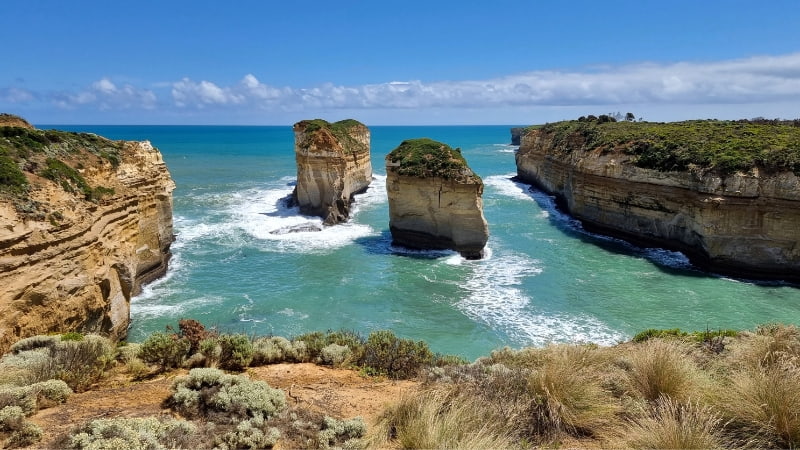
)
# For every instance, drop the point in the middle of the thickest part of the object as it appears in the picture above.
(744, 224)
(92, 225)
(435, 199)
(333, 164)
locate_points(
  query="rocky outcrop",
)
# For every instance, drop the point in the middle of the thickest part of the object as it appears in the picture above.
(10, 120)
(516, 134)
(333, 164)
(91, 225)
(435, 199)
(743, 224)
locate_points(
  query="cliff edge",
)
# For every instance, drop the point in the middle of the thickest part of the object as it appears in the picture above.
(333, 164)
(84, 223)
(435, 199)
(727, 194)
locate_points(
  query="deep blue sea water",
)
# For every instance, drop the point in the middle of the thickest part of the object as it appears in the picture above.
(544, 280)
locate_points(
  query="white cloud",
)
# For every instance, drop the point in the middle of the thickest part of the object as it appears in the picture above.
(762, 80)
(105, 95)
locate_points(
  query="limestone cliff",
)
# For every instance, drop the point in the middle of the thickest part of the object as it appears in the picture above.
(516, 135)
(84, 223)
(435, 199)
(333, 164)
(641, 183)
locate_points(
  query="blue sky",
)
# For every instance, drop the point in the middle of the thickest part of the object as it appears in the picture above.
(384, 63)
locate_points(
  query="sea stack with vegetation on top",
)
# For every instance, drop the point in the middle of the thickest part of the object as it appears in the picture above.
(84, 222)
(435, 199)
(333, 164)
(726, 193)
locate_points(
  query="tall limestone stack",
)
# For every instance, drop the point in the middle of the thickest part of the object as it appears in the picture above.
(84, 223)
(435, 199)
(333, 164)
(739, 214)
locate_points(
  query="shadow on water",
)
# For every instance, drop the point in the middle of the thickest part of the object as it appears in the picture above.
(382, 245)
(667, 261)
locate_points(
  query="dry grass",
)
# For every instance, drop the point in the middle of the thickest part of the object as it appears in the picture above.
(437, 419)
(663, 368)
(670, 424)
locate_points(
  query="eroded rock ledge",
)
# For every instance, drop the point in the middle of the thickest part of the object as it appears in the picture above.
(87, 225)
(727, 221)
(333, 164)
(435, 199)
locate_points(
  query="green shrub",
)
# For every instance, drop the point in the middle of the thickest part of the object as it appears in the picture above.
(12, 179)
(251, 433)
(28, 434)
(166, 350)
(213, 394)
(81, 363)
(236, 351)
(335, 354)
(398, 358)
(133, 433)
(72, 336)
(428, 158)
(347, 433)
(11, 418)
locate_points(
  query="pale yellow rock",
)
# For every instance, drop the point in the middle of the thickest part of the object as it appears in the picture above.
(436, 212)
(330, 169)
(79, 272)
(743, 224)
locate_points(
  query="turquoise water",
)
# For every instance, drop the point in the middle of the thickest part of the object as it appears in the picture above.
(545, 280)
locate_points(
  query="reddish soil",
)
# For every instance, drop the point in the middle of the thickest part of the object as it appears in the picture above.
(338, 393)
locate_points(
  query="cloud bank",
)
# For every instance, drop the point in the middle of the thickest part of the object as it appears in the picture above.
(754, 80)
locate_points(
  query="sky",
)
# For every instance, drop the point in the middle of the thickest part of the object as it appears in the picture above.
(397, 63)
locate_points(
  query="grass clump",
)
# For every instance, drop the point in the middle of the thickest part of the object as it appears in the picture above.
(669, 424)
(428, 158)
(133, 433)
(215, 395)
(662, 368)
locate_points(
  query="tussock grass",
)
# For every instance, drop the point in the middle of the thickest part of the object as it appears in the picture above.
(662, 368)
(670, 424)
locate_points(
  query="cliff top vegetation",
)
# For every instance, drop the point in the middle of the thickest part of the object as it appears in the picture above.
(428, 158)
(58, 156)
(342, 131)
(663, 389)
(722, 146)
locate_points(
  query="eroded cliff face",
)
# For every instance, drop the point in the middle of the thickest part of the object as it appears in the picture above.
(745, 225)
(435, 209)
(71, 260)
(333, 164)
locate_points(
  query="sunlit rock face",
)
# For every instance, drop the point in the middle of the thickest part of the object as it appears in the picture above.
(742, 224)
(435, 199)
(90, 230)
(333, 164)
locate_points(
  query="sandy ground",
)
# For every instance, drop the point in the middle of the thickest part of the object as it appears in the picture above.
(339, 393)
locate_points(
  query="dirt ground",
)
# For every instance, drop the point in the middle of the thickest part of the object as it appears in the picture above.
(339, 393)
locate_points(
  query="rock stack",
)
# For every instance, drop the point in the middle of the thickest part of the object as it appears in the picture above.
(435, 199)
(333, 164)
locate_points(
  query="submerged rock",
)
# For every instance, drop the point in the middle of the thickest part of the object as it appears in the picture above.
(435, 199)
(333, 164)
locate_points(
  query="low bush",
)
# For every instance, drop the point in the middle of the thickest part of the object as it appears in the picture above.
(236, 351)
(11, 418)
(341, 433)
(133, 433)
(35, 342)
(28, 434)
(165, 350)
(31, 398)
(335, 354)
(276, 349)
(397, 358)
(250, 433)
(660, 367)
(213, 394)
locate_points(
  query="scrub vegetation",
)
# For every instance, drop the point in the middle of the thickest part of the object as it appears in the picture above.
(341, 130)
(428, 158)
(697, 145)
(664, 389)
(28, 154)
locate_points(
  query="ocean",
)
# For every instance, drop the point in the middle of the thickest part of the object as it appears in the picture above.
(544, 278)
